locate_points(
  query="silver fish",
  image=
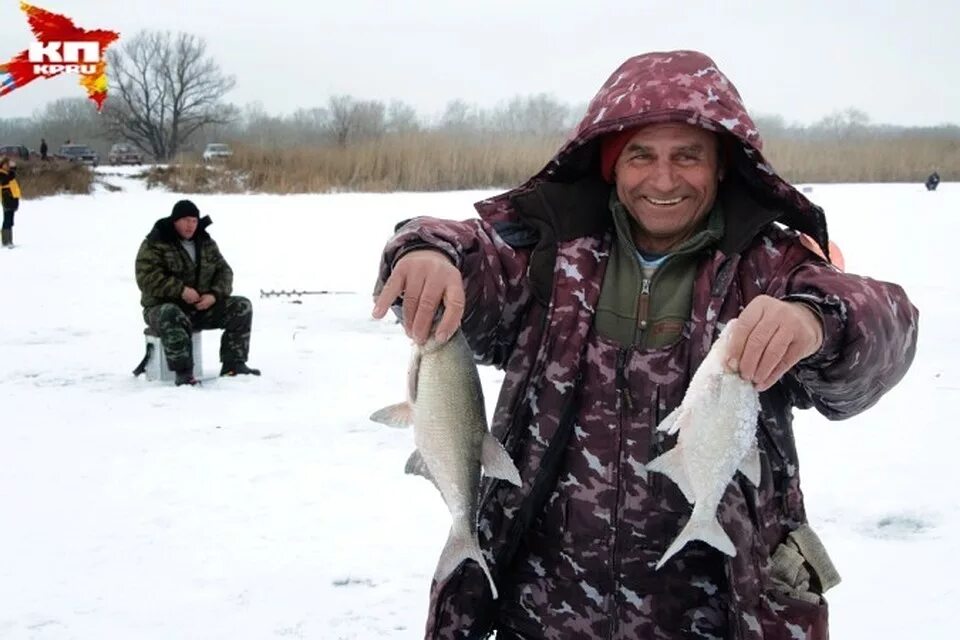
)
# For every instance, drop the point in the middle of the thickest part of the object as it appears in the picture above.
(717, 425)
(445, 405)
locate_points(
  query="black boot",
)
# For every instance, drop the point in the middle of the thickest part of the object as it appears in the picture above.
(237, 369)
(185, 376)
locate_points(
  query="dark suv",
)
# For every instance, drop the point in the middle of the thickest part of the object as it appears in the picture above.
(15, 151)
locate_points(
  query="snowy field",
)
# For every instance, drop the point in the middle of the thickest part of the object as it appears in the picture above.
(254, 508)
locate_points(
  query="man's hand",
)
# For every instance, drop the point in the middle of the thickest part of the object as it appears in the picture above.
(770, 337)
(206, 301)
(424, 278)
(190, 295)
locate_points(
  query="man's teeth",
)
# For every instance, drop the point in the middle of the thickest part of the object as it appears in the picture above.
(664, 202)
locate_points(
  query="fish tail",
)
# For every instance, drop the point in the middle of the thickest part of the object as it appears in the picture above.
(396, 415)
(461, 545)
(708, 530)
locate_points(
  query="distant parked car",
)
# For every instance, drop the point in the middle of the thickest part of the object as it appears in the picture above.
(78, 153)
(15, 151)
(217, 151)
(123, 153)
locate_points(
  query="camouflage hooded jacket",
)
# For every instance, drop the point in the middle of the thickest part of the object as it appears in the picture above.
(532, 267)
(164, 267)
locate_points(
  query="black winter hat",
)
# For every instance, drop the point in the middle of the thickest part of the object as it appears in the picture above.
(184, 209)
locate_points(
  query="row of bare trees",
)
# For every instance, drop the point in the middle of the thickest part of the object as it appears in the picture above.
(346, 120)
(168, 96)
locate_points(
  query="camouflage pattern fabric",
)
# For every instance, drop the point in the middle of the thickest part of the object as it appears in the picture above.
(163, 267)
(607, 522)
(234, 315)
(576, 412)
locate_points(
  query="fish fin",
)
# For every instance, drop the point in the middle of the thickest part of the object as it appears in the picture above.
(413, 376)
(461, 545)
(496, 461)
(417, 466)
(671, 424)
(708, 530)
(396, 415)
(670, 464)
(750, 465)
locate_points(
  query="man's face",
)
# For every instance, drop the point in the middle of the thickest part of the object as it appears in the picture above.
(667, 177)
(186, 227)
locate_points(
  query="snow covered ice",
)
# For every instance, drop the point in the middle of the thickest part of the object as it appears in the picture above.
(271, 507)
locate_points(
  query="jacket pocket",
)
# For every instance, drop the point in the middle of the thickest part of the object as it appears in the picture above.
(801, 568)
(800, 572)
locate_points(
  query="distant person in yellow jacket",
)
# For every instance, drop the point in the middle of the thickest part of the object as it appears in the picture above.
(9, 198)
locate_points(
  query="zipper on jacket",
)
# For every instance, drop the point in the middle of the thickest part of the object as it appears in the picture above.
(643, 308)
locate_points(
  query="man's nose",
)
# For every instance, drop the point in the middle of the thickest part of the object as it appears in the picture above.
(664, 178)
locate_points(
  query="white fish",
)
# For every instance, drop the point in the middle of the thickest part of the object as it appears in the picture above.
(717, 424)
(445, 406)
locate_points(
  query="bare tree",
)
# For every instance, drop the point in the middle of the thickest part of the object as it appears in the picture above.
(402, 118)
(459, 117)
(310, 126)
(263, 130)
(338, 121)
(165, 89)
(368, 119)
(841, 125)
(540, 115)
(349, 119)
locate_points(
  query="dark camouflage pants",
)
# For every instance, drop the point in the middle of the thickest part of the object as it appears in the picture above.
(173, 324)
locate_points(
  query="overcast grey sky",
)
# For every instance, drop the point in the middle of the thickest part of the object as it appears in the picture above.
(897, 61)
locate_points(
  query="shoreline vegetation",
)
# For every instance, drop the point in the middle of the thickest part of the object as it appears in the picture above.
(434, 161)
(357, 145)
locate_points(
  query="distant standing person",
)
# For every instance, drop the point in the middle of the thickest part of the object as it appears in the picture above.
(933, 181)
(185, 285)
(43, 148)
(9, 198)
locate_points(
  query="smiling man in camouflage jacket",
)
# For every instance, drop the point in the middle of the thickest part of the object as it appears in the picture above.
(185, 285)
(599, 286)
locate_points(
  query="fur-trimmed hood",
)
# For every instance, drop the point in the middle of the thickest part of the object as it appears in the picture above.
(163, 230)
